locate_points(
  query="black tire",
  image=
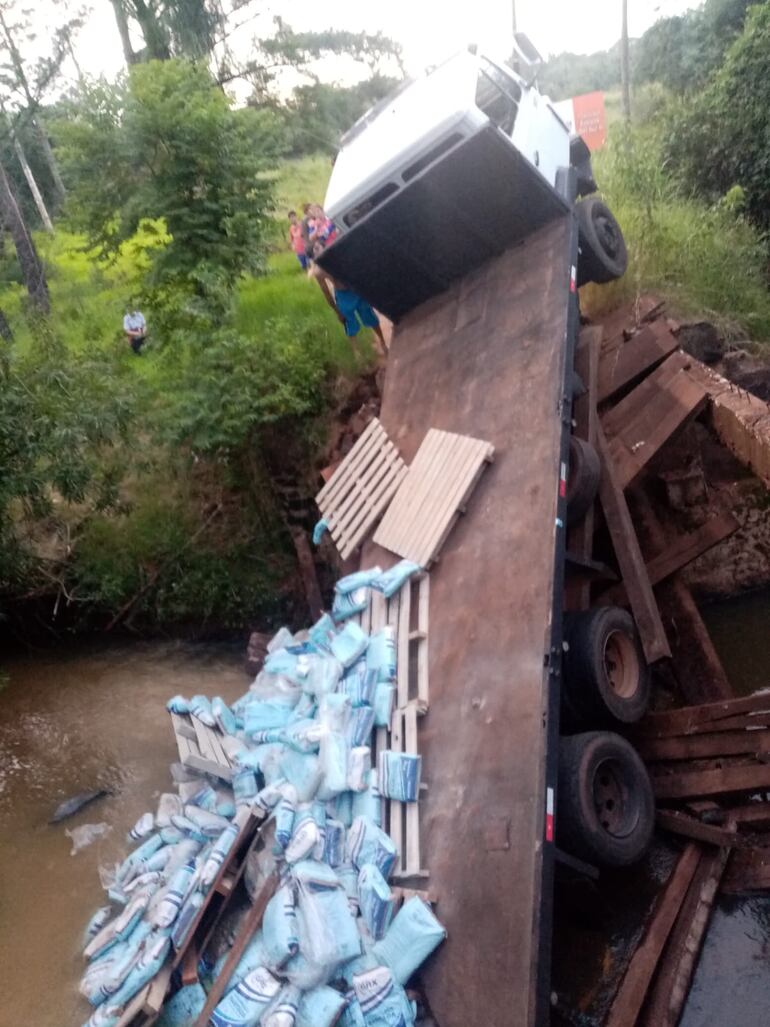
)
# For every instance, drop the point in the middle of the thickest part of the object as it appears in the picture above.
(582, 478)
(603, 254)
(605, 811)
(605, 673)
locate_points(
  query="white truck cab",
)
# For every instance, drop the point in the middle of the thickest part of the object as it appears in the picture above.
(432, 115)
(452, 169)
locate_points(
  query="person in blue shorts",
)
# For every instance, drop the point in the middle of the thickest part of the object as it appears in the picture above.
(352, 310)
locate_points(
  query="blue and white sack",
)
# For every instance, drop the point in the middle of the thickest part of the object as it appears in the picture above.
(305, 836)
(323, 676)
(284, 818)
(347, 875)
(320, 1007)
(303, 772)
(279, 928)
(151, 959)
(359, 684)
(376, 900)
(243, 1005)
(348, 604)
(352, 1014)
(384, 704)
(184, 1007)
(245, 787)
(334, 843)
(359, 768)
(327, 932)
(223, 716)
(96, 923)
(321, 633)
(390, 581)
(142, 828)
(135, 862)
(254, 956)
(179, 887)
(200, 708)
(410, 939)
(178, 704)
(381, 654)
(183, 823)
(350, 644)
(369, 802)
(368, 843)
(168, 804)
(283, 1011)
(184, 921)
(382, 999)
(210, 825)
(399, 775)
(360, 726)
(356, 580)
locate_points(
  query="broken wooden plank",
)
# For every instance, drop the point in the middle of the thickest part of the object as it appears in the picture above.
(624, 364)
(679, 554)
(647, 418)
(248, 925)
(747, 871)
(688, 827)
(580, 537)
(628, 1001)
(630, 560)
(720, 781)
(672, 981)
(684, 719)
(702, 746)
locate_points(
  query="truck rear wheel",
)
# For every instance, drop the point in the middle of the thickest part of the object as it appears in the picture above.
(582, 478)
(603, 255)
(606, 675)
(605, 810)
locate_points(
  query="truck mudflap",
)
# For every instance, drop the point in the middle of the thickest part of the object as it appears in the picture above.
(473, 204)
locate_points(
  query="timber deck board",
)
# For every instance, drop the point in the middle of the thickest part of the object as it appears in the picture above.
(496, 375)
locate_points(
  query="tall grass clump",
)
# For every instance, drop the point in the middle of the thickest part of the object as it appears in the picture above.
(705, 259)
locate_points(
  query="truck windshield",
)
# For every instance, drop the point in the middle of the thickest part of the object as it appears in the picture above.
(497, 96)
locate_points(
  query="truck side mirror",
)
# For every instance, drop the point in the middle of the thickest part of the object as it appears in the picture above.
(526, 50)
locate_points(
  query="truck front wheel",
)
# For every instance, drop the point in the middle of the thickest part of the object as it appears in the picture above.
(603, 255)
(605, 810)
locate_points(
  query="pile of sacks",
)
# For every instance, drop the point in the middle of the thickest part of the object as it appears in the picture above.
(329, 949)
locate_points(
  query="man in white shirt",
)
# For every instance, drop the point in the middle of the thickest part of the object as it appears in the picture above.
(135, 327)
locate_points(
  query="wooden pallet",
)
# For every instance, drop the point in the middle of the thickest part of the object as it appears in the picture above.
(204, 748)
(359, 491)
(407, 613)
(433, 494)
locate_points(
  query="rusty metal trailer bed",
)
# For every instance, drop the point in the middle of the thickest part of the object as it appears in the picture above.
(492, 357)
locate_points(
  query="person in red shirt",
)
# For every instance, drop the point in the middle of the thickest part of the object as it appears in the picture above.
(297, 240)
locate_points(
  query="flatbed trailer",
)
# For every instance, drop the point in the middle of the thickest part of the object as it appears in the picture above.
(492, 357)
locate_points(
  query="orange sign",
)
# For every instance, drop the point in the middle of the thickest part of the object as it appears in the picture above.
(589, 119)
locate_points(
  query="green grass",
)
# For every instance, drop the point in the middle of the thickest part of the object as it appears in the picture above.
(301, 181)
(707, 262)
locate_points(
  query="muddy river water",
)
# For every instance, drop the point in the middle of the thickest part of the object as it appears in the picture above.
(93, 717)
(69, 722)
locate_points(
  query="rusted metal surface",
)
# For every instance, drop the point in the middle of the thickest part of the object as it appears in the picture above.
(497, 376)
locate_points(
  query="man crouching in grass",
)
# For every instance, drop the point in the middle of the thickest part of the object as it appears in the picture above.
(351, 309)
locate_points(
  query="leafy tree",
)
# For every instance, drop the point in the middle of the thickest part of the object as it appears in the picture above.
(164, 143)
(61, 415)
(683, 52)
(317, 115)
(720, 139)
(569, 74)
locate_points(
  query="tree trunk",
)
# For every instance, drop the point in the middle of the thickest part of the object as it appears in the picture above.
(37, 196)
(155, 37)
(31, 267)
(5, 328)
(625, 78)
(50, 159)
(125, 37)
